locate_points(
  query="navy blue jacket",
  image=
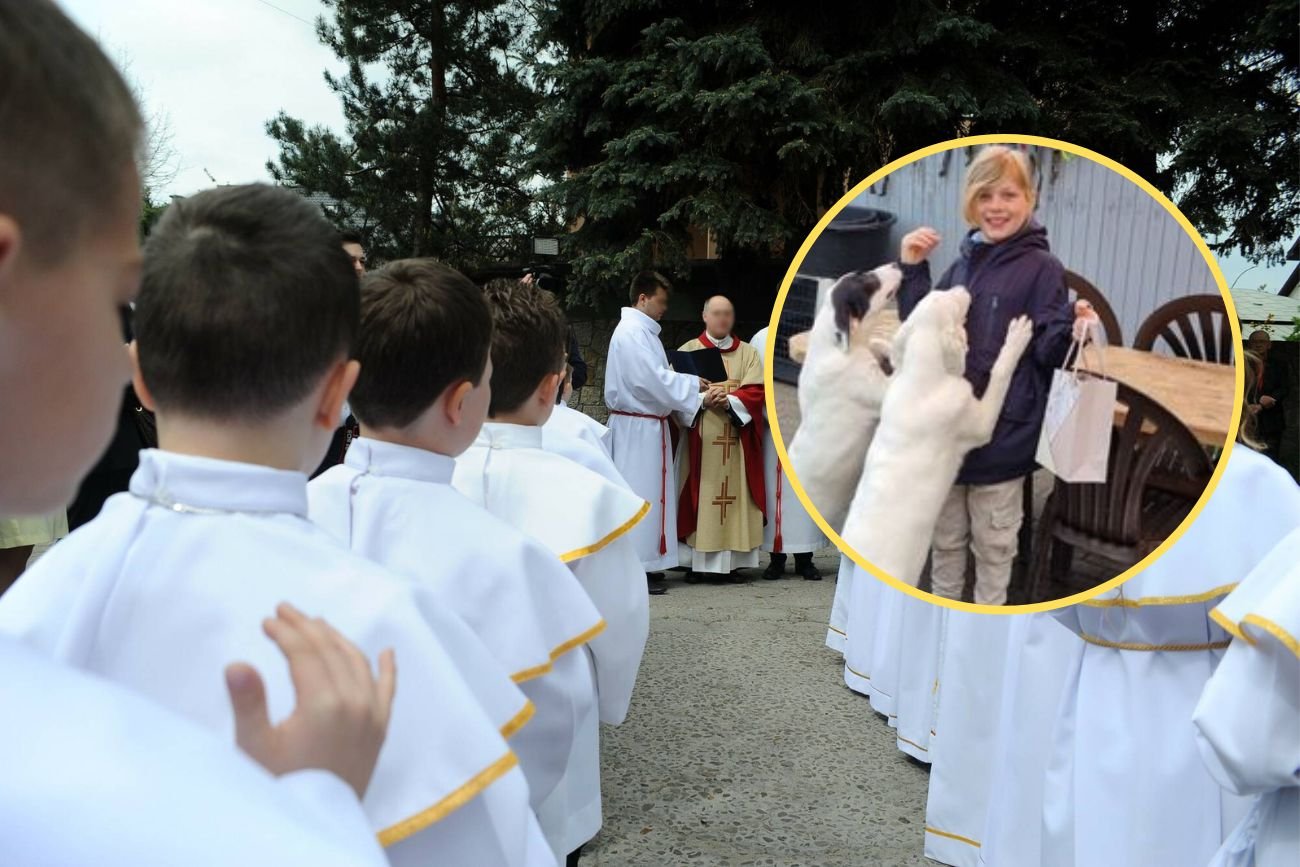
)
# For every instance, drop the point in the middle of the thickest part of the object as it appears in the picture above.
(1018, 277)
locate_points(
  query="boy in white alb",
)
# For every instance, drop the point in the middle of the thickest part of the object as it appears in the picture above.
(247, 310)
(421, 397)
(583, 518)
(91, 773)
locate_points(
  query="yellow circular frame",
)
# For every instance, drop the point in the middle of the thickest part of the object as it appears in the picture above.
(770, 352)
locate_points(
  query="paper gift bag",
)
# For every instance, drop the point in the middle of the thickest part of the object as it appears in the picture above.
(1074, 444)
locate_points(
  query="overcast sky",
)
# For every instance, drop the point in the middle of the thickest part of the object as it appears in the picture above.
(220, 69)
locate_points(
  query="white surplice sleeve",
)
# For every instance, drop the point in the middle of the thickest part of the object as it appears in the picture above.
(1248, 718)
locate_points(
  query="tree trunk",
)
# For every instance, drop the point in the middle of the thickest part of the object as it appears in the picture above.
(436, 115)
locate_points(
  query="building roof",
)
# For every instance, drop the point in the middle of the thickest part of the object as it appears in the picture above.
(1258, 310)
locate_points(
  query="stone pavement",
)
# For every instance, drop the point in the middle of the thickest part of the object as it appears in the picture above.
(744, 747)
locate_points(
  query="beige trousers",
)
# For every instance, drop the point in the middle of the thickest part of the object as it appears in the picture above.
(984, 519)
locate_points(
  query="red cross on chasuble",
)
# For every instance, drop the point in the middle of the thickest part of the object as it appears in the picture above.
(720, 496)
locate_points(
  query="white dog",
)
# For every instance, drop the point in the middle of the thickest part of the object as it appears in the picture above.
(841, 386)
(930, 419)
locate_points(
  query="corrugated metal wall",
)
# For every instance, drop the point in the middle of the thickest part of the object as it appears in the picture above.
(1098, 223)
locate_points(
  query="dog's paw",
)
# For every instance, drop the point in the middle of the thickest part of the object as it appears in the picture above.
(1019, 333)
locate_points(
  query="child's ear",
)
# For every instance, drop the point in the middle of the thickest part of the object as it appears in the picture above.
(548, 389)
(338, 385)
(456, 397)
(137, 378)
(11, 242)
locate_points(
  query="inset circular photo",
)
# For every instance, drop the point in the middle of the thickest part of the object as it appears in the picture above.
(1004, 374)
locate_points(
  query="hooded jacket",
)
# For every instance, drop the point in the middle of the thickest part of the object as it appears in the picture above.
(1017, 277)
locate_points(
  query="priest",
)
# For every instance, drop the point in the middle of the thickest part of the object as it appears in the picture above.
(721, 494)
(789, 529)
(642, 393)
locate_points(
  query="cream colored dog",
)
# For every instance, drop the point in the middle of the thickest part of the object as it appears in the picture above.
(841, 386)
(929, 420)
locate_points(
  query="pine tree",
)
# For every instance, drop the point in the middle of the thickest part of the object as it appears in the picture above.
(752, 118)
(435, 97)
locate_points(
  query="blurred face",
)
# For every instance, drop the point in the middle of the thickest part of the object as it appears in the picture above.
(357, 254)
(1001, 210)
(654, 306)
(1259, 343)
(63, 363)
(719, 317)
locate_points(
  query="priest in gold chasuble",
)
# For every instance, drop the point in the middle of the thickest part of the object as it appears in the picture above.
(720, 511)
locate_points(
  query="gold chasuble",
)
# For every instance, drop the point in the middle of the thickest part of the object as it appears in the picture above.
(722, 498)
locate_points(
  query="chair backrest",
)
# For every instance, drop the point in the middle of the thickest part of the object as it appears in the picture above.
(1195, 326)
(1085, 291)
(1151, 439)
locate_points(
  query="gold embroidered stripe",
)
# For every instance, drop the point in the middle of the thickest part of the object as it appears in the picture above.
(1287, 639)
(958, 837)
(838, 631)
(596, 546)
(913, 743)
(521, 718)
(577, 641)
(1128, 645)
(459, 798)
(1162, 600)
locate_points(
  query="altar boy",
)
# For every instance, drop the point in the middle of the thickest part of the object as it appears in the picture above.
(583, 518)
(246, 314)
(422, 397)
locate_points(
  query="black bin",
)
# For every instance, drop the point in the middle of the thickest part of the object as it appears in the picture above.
(857, 239)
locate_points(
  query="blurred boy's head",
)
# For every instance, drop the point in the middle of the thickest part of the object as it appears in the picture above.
(69, 253)
(247, 312)
(528, 352)
(424, 344)
(999, 194)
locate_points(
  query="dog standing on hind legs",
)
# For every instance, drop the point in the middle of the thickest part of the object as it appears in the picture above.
(929, 420)
(841, 386)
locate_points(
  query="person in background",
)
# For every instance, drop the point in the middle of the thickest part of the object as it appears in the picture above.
(355, 249)
(1268, 389)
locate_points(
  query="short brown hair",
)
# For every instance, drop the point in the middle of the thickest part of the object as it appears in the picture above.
(69, 128)
(648, 283)
(424, 327)
(528, 343)
(246, 299)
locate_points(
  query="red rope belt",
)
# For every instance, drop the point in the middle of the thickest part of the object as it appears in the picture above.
(663, 472)
(776, 540)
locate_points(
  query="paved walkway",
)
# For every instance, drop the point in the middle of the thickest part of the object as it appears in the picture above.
(743, 746)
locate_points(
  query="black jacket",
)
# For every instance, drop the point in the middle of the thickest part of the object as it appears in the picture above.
(1017, 277)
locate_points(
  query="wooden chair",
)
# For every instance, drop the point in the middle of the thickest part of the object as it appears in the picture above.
(1123, 519)
(1176, 324)
(1085, 291)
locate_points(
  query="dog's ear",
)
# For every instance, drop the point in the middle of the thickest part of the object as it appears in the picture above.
(851, 299)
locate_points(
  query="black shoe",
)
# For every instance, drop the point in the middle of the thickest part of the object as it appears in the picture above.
(809, 571)
(738, 577)
(774, 570)
(655, 585)
(693, 577)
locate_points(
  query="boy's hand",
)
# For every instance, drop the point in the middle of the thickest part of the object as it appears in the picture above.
(341, 717)
(1266, 401)
(918, 244)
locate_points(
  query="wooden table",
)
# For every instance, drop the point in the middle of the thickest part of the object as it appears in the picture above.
(1198, 393)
